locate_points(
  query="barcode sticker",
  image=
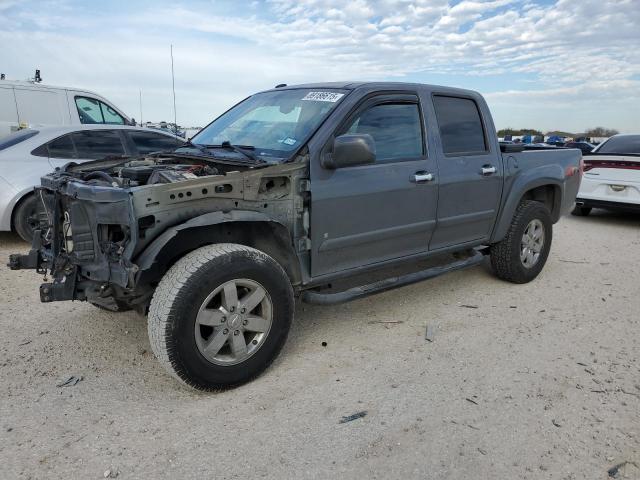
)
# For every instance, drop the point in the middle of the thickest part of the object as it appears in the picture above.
(323, 96)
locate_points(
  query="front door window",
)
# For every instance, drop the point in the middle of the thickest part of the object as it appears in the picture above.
(92, 111)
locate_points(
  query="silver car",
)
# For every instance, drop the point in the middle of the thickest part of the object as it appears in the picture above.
(27, 155)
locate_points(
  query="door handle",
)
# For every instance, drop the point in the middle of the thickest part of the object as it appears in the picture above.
(422, 177)
(488, 170)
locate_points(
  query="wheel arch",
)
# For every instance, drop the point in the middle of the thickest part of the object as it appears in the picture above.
(546, 191)
(251, 229)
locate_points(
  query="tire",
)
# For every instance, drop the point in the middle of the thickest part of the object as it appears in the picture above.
(506, 255)
(27, 217)
(579, 211)
(183, 338)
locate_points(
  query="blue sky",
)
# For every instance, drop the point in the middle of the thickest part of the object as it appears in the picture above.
(561, 64)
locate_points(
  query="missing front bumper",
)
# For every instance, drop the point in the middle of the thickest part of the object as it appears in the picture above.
(30, 261)
(61, 289)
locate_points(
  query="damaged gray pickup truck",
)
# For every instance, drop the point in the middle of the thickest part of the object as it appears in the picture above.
(328, 192)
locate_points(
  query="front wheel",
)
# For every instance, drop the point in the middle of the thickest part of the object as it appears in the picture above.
(521, 254)
(220, 316)
(27, 217)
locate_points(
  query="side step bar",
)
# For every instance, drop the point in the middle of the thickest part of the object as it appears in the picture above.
(318, 298)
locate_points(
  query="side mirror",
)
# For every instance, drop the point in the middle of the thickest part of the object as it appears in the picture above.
(350, 150)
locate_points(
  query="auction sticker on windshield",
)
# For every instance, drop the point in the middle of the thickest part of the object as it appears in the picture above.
(323, 96)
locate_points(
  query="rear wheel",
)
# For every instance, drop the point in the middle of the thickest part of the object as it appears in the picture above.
(580, 211)
(27, 217)
(220, 316)
(522, 253)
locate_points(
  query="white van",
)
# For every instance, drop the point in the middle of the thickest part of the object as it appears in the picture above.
(30, 104)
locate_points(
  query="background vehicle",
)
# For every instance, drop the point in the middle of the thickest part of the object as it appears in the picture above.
(28, 154)
(585, 147)
(611, 176)
(171, 128)
(556, 141)
(327, 191)
(30, 104)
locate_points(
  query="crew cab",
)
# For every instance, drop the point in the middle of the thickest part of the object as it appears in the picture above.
(327, 192)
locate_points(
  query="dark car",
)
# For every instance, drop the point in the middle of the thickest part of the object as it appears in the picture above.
(586, 147)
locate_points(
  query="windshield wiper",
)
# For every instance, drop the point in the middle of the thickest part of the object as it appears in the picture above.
(189, 143)
(241, 149)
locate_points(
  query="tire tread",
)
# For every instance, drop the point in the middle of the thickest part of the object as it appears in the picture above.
(166, 303)
(502, 253)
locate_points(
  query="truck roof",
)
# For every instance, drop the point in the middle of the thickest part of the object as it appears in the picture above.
(373, 86)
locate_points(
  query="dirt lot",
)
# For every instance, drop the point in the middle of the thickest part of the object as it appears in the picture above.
(530, 381)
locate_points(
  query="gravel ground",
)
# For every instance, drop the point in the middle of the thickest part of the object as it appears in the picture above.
(521, 381)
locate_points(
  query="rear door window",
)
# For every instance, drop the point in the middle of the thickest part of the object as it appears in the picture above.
(460, 125)
(97, 144)
(147, 142)
(61, 147)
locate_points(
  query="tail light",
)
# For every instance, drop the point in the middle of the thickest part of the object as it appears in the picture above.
(623, 164)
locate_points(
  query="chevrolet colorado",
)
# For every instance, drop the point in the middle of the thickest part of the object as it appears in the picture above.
(328, 192)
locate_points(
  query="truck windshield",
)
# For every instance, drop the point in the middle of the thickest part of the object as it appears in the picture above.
(271, 124)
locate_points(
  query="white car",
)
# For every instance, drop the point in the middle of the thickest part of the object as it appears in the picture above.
(34, 105)
(611, 177)
(27, 155)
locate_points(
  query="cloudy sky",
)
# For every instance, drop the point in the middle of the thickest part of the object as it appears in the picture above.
(565, 64)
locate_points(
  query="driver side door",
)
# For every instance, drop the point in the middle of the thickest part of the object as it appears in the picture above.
(366, 214)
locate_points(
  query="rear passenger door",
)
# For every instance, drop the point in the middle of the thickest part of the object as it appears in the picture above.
(470, 173)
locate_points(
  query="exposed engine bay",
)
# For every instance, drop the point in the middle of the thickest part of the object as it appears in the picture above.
(109, 226)
(149, 170)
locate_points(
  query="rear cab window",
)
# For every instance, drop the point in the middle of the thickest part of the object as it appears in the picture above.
(460, 124)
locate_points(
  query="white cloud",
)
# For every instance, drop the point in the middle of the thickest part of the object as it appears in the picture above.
(570, 51)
